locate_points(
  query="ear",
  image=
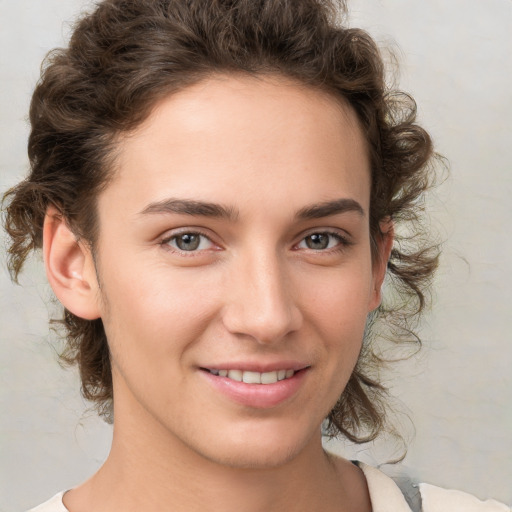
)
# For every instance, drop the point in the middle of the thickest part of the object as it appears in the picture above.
(69, 267)
(384, 245)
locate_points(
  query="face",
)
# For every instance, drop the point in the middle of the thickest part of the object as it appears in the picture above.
(235, 268)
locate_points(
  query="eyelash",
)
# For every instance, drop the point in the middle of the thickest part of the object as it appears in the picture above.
(342, 244)
(167, 242)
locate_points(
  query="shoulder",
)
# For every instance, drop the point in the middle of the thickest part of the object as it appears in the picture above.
(54, 504)
(387, 496)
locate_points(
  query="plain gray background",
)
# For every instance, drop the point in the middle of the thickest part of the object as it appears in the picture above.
(455, 60)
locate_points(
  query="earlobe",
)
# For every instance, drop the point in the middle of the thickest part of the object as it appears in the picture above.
(69, 267)
(384, 247)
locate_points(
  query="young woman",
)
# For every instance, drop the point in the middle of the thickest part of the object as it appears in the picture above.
(216, 188)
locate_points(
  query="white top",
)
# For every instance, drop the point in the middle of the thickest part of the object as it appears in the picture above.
(384, 495)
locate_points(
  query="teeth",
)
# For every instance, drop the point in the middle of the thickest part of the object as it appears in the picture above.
(268, 377)
(254, 377)
(235, 375)
(251, 377)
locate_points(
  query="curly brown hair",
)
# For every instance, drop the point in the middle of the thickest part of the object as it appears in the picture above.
(127, 54)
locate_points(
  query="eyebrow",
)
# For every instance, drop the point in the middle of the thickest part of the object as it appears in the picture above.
(191, 207)
(328, 208)
(206, 209)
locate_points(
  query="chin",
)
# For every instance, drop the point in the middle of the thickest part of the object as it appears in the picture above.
(259, 450)
(256, 458)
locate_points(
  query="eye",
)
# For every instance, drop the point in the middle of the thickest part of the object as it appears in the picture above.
(322, 241)
(189, 242)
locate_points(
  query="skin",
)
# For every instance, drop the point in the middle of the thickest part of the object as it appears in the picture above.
(253, 292)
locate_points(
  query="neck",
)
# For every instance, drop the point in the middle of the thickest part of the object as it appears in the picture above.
(142, 476)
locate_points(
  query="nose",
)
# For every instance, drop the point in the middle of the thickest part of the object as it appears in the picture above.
(260, 301)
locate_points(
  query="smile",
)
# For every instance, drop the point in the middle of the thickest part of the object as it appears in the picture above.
(250, 377)
(259, 390)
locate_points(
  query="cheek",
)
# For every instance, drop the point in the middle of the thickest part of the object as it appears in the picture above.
(154, 309)
(338, 312)
(341, 300)
(153, 323)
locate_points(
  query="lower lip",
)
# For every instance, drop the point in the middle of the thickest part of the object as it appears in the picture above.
(259, 396)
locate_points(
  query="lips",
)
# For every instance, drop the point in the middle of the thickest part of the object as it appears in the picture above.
(252, 377)
(256, 389)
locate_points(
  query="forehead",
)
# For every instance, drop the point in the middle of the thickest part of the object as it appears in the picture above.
(243, 137)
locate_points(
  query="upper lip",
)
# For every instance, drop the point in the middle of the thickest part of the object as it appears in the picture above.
(249, 366)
